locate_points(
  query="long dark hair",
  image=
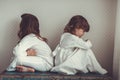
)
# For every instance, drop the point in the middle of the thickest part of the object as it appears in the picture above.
(77, 21)
(29, 24)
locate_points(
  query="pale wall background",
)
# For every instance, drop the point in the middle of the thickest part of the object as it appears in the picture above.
(53, 15)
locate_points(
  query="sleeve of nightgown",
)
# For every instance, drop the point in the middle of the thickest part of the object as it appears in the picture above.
(71, 41)
(26, 43)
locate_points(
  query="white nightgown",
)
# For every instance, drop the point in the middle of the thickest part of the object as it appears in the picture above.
(73, 54)
(43, 61)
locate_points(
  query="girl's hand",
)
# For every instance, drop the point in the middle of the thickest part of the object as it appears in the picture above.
(31, 52)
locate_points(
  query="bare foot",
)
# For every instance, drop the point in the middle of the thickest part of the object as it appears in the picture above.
(24, 69)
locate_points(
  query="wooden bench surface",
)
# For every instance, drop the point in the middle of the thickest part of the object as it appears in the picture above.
(51, 76)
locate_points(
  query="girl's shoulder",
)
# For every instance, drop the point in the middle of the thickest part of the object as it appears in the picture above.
(66, 34)
(69, 35)
(29, 36)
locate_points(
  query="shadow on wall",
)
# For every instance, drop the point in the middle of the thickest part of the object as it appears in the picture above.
(54, 38)
(10, 39)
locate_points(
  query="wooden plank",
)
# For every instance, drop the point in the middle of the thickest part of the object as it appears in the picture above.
(51, 76)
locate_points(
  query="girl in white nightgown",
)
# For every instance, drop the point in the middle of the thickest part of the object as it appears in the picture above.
(73, 54)
(32, 52)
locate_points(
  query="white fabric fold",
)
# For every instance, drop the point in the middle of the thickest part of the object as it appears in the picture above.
(43, 61)
(73, 54)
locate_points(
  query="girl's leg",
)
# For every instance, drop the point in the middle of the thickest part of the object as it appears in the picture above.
(24, 69)
(34, 62)
(93, 64)
(75, 62)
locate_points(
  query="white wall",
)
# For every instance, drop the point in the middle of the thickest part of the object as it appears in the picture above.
(53, 16)
(116, 68)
